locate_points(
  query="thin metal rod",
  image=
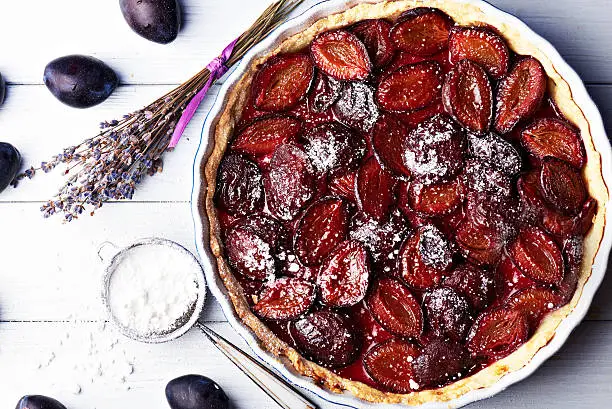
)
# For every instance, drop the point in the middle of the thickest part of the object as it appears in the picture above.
(221, 344)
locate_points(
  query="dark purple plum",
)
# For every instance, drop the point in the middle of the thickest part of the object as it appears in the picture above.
(38, 402)
(2, 89)
(333, 148)
(195, 392)
(240, 188)
(156, 20)
(448, 313)
(80, 81)
(326, 337)
(441, 361)
(10, 162)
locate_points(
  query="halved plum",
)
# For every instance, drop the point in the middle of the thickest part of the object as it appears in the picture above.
(410, 87)
(381, 239)
(537, 255)
(249, 254)
(441, 361)
(482, 46)
(345, 275)
(326, 337)
(424, 258)
(344, 186)
(497, 333)
(495, 152)
(474, 283)
(341, 55)
(573, 252)
(519, 94)
(333, 148)
(289, 182)
(282, 82)
(375, 35)
(448, 313)
(509, 278)
(388, 138)
(562, 225)
(285, 299)
(562, 186)
(437, 199)
(239, 186)
(468, 97)
(528, 187)
(265, 227)
(395, 308)
(263, 135)
(434, 150)
(390, 365)
(556, 138)
(375, 189)
(489, 186)
(321, 228)
(534, 302)
(422, 31)
(325, 92)
(356, 107)
(482, 245)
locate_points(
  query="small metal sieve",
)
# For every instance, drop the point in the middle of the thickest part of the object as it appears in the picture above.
(114, 257)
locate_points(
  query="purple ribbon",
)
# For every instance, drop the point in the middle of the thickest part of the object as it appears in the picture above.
(217, 69)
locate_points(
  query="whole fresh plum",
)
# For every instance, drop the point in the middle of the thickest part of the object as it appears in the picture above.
(195, 392)
(79, 80)
(10, 162)
(156, 20)
(38, 402)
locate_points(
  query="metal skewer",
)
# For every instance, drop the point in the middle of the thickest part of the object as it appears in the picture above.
(235, 355)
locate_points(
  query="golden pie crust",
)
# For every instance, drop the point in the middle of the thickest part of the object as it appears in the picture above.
(463, 14)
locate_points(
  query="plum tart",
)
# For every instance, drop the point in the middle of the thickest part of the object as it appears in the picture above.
(404, 201)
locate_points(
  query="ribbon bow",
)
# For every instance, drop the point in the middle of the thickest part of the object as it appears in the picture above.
(217, 69)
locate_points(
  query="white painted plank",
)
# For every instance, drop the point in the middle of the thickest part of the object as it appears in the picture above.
(50, 270)
(97, 28)
(40, 31)
(39, 127)
(576, 377)
(70, 366)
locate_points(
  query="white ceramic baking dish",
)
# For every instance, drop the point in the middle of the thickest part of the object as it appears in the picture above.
(297, 24)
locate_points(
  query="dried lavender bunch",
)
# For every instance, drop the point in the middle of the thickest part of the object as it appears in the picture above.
(110, 165)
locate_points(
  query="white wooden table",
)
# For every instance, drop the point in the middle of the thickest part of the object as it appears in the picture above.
(49, 272)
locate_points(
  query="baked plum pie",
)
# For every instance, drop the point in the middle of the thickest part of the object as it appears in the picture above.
(399, 199)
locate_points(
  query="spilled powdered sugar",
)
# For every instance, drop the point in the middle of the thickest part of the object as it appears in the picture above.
(87, 354)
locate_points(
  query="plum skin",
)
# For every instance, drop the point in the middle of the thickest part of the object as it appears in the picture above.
(196, 392)
(156, 20)
(38, 402)
(10, 162)
(2, 89)
(80, 81)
